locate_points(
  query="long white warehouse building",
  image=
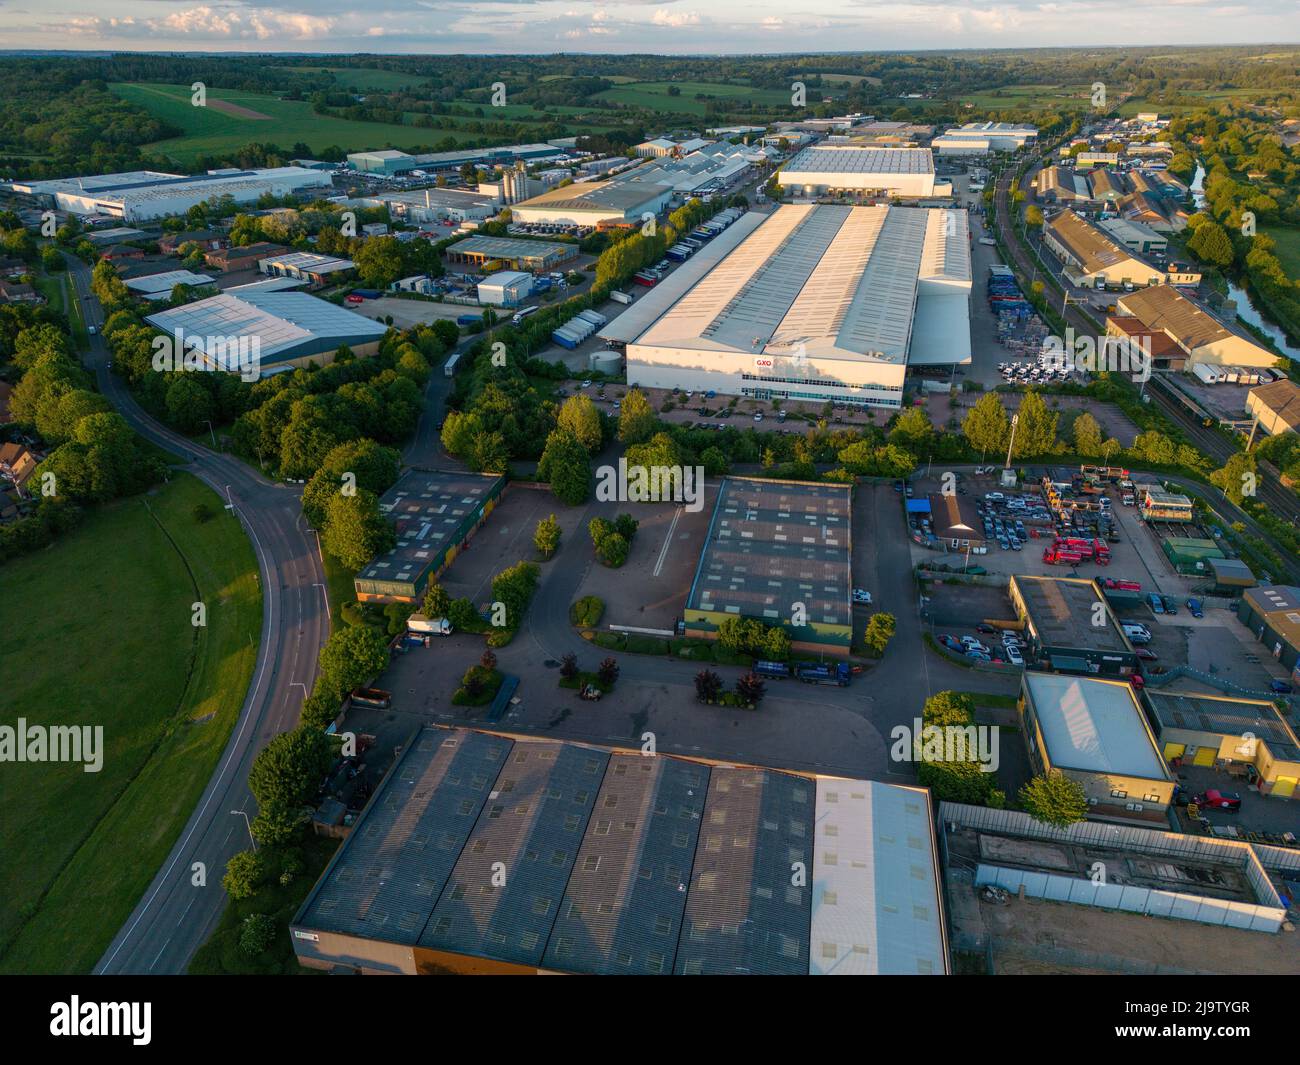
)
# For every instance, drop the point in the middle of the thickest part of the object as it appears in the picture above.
(142, 195)
(840, 169)
(809, 303)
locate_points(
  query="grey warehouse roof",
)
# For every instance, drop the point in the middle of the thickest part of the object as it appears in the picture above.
(827, 159)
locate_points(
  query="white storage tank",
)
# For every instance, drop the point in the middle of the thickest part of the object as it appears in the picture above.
(605, 361)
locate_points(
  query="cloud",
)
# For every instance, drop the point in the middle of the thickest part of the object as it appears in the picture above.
(210, 23)
(675, 19)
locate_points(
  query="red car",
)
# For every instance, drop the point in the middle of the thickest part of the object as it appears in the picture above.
(1142, 652)
(1123, 585)
(1219, 800)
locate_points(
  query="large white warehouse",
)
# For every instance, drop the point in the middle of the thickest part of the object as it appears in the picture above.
(846, 169)
(980, 138)
(142, 195)
(808, 303)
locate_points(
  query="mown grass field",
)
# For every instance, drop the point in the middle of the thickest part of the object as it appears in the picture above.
(208, 131)
(1288, 248)
(654, 95)
(1029, 96)
(98, 632)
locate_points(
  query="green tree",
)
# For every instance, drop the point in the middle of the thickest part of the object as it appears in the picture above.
(579, 416)
(288, 770)
(546, 538)
(986, 425)
(566, 466)
(880, 630)
(1237, 478)
(1211, 244)
(912, 430)
(257, 933)
(380, 261)
(351, 656)
(244, 873)
(437, 603)
(372, 466)
(948, 708)
(1036, 429)
(1087, 435)
(1055, 799)
(355, 531)
(637, 420)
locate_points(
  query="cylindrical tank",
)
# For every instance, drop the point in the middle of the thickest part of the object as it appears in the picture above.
(605, 361)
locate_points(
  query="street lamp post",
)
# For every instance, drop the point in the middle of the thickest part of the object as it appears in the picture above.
(248, 823)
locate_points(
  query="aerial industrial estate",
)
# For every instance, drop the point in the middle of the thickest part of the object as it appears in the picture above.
(680, 527)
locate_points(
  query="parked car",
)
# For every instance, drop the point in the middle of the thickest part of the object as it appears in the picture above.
(972, 644)
(1013, 655)
(1156, 604)
(950, 642)
(985, 627)
(1281, 687)
(1194, 608)
(978, 656)
(1145, 655)
(861, 595)
(1213, 799)
(1170, 606)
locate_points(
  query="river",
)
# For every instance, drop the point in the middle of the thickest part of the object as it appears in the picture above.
(1246, 309)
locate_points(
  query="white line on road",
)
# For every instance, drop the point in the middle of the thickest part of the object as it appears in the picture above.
(663, 551)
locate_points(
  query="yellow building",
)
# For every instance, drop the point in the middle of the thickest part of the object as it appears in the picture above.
(1276, 406)
(1202, 337)
(1091, 258)
(1246, 737)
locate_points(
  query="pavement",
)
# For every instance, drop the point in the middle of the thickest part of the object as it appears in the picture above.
(175, 917)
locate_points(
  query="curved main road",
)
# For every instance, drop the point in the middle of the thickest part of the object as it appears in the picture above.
(174, 916)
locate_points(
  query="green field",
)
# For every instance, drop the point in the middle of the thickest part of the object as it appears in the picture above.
(98, 632)
(1202, 98)
(210, 132)
(1288, 248)
(654, 96)
(1009, 97)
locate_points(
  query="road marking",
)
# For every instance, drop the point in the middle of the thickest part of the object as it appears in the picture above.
(668, 539)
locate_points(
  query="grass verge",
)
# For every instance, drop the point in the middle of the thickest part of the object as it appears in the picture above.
(100, 634)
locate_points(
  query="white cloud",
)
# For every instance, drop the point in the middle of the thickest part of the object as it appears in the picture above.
(675, 19)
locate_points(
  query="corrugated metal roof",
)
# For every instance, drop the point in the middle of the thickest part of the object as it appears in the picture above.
(875, 904)
(402, 851)
(1093, 725)
(504, 893)
(745, 913)
(622, 911)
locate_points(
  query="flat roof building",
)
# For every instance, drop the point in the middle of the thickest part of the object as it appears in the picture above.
(287, 329)
(586, 204)
(624, 864)
(432, 205)
(1227, 731)
(516, 253)
(159, 286)
(1272, 613)
(851, 170)
(1070, 626)
(434, 512)
(778, 552)
(979, 138)
(1094, 732)
(812, 302)
(143, 195)
(315, 269)
(1136, 237)
(505, 289)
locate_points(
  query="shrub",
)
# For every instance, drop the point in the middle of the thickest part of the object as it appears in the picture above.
(587, 611)
(257, 933)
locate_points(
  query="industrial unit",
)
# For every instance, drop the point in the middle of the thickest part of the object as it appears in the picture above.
(1155, 504)
(508, 288)
(849, 170)
(592, 202)
(778, 552)
(496, 252)
(980, 138)
(1272, 614)
(821, 303)
(160, 286)
(1201, 337)
(1276, 406)
(142, 195)
(1136, 237)
(317, 270)
(1243, 737)
(435, 205)
(1070, 626)
(1094, 732)
(435, 512)
(289, 329)
(1091, 258)
(622, 864)
(391, 162)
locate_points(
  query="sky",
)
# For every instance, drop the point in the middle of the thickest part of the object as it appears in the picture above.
(679, 27)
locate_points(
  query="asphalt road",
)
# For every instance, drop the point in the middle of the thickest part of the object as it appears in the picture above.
(1283, 503)
(174, 916)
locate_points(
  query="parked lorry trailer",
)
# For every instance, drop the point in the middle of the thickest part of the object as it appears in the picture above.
(825, 673)
(433, 626)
